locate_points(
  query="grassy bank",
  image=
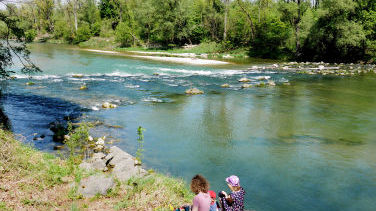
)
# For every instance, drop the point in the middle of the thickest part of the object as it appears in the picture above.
(33, 180)
(206, 49)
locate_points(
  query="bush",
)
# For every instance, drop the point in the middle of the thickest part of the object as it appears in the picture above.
(30, 35)
(271, 36)
(106, 29)
(96, 28)
(62, 30)
(83, 34)
(123, 35)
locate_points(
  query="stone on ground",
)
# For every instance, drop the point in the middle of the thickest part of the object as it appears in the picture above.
(95, 184)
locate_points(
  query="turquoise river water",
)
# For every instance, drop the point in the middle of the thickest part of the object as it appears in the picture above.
(308, 146)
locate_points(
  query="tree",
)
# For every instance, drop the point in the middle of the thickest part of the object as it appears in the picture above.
(123, 34)
(18, 47)
(270, 38)
(45, 13)
(335, 36)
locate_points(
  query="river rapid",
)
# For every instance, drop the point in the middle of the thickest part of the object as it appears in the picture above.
(310, 145)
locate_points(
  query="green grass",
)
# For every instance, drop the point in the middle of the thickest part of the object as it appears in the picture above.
(3, 206)
(33, 173)
(45, 168)
(159, 190)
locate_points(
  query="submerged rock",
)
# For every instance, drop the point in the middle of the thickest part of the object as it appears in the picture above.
(58, 147)
(244, 80)
(225, 85)
(77, 75)
(83, 87)
(108, 105)
(59, 130)
(193, 91)
(271, 83)
(262, 84)
(244, 86)
(95, 184)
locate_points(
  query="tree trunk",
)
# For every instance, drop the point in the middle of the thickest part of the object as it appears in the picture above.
(240, 2)
(75, 14)
(225, 21)
(297, 30)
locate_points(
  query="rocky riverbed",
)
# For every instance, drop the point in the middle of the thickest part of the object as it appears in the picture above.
(320, 68)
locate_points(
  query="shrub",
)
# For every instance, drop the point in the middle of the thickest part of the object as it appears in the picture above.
(30, 35)
(123, 35)
(83, 34)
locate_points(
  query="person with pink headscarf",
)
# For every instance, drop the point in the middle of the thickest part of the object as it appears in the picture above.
(235, 200)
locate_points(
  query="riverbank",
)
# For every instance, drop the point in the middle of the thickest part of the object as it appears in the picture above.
(203, 54)
(174, 58)
(31, 179)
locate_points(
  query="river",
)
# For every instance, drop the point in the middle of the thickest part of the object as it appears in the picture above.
(308, 146)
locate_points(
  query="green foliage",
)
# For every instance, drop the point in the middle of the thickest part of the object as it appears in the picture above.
(328, 30)
(83, 34)
(109, 9)
(271, 36)
(13, 30)
(62, 30)
(106, 29)
(123, 34)
(140, 141)
(77, 141)
(30, 35)
(3, 206)
(335, 37)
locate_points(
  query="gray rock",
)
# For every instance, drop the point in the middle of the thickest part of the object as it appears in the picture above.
(99, 164)
(98, 155)
(118, 155)
(86, 166)
(95, 184)
(123, 163)
(108, 158)
(125, 170)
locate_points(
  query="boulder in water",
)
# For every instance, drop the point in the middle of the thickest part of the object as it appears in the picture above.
(271, 83)
(244, 80)
(59, 130)
(77, 75)
(225, 85)
(244, 86)
(108, 105)
(193, 91)
(83, 87)
(58, 147)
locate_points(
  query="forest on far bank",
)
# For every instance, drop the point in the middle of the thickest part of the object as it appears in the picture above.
(307, 30)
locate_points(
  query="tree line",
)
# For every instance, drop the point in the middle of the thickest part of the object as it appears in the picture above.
(313, 30)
